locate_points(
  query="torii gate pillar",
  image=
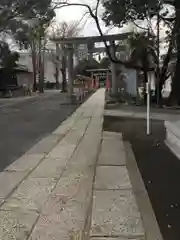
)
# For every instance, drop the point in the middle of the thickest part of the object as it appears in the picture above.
(70, 68)
(114, 70)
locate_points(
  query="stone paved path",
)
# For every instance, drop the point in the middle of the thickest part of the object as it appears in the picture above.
(73, 184)
(115, 213)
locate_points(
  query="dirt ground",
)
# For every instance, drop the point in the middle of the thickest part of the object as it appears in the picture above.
(159, 168)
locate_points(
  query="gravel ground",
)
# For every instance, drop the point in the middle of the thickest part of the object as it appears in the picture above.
(159, 168)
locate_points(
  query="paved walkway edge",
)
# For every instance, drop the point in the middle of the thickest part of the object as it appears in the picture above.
(150, 224)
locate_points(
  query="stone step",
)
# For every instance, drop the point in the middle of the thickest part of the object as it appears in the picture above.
(112, 151)
(115, 214)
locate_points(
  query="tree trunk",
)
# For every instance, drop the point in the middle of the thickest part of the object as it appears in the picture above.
(41, 80)
(145, 72)
(57, 66)
(175, 93)
(138, 100)
(63, 71)
(57, 76)
(164, 69)
(42, 70)
(33, 53)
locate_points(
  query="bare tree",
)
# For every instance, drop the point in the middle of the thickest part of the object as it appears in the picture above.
(62, 30)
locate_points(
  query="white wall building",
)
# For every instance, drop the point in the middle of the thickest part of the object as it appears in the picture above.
(25, 59)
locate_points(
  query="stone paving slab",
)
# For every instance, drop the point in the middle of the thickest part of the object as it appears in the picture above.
(112, 153)
(81, 124)
(31, 194)
(73, 137)
(46, 144)
(62, 151)
(50, 168)
(76, 185)
(95, 126)
(112, 178)
(57, 203)
(16, 224)
(87, 151)
(116, 213)
(66, 126)
(88, 113)
(99, 112)
(9, 181)
(26, 163)
(111, 135)
(57, 227)
(62, 129)
(67, 145)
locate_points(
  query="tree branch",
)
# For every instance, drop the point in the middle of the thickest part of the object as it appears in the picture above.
(112, 59)
(166, 61)
(79, 22)
(97, 6)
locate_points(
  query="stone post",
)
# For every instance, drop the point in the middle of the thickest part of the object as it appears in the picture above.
(63, 68)
(76, 48)
(114, 70)
(70, 68)
(57, 65)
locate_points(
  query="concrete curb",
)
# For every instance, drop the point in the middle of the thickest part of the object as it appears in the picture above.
(152, 231)
(139, 115)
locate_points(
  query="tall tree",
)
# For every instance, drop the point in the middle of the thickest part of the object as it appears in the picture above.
(175, 94)
(143, 52)
(11, 10)
(85, 65)
(119, 12)
(31, 35)
(8, 63)
(105, 62)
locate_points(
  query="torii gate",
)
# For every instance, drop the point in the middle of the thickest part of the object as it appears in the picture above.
(100, 73)
(70, 44)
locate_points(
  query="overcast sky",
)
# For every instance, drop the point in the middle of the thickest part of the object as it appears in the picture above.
(75, 13)
(72, 13)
